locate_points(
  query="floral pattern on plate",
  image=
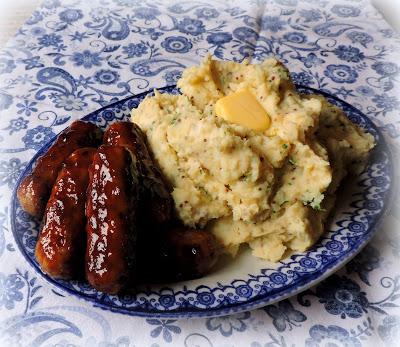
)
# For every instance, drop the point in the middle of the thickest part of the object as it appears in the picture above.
(352, 226)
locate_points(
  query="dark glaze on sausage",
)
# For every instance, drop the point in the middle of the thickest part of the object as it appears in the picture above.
(192, 253)
(163, 253)
(61, 245)
(157, 202)
(35, 189)
(179, 254)
(111, 213)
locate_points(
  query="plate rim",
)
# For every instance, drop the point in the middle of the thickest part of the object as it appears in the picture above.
(288, 291)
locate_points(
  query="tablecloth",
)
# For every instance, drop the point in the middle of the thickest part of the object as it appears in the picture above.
(73, 57)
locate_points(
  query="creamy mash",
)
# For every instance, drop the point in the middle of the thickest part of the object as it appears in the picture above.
(271, 189)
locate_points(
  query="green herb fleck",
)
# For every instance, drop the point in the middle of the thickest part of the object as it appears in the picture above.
(292, 161)
(314, 203)
(175, 119)
(316, 206)
(283, 73)
(245, 177)
(222, 81)
(225, 80)
(285, 146)
(203, 190)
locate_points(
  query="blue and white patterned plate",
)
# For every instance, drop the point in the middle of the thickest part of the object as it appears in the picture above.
(246, 282)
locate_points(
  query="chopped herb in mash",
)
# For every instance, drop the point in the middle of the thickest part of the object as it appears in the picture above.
(269, 205)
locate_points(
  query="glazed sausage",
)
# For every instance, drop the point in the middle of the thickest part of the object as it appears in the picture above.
(179, 254)
(111, 228)
(35, 189)
(157, 203)
(191, 253)
(60, 249)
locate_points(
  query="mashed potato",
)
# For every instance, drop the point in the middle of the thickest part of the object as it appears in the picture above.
(272, 190)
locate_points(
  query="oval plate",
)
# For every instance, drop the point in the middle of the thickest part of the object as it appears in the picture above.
(246, 282)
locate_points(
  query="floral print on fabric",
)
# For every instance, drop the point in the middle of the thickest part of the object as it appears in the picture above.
(10, 171)
(332, 336)
(389, 330)
(228, 324)
(164, 327)
(10, 292)
(284, 315)
(364, 263)
(341, 296)
(35, 138)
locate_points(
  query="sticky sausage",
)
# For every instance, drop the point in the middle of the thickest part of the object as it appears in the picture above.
(112, 199)
(191, 253)
(35, 189)
(61, 245)
(157, 202)
(180, 253)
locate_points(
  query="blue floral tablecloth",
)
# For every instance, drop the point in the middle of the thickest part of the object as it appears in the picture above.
(73, 57)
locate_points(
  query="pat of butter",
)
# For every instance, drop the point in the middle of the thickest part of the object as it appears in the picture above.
(243, 108)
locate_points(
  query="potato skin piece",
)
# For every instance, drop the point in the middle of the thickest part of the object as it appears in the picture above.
(35, 188)
(157, 202)
(61, 245)
(112, 199)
